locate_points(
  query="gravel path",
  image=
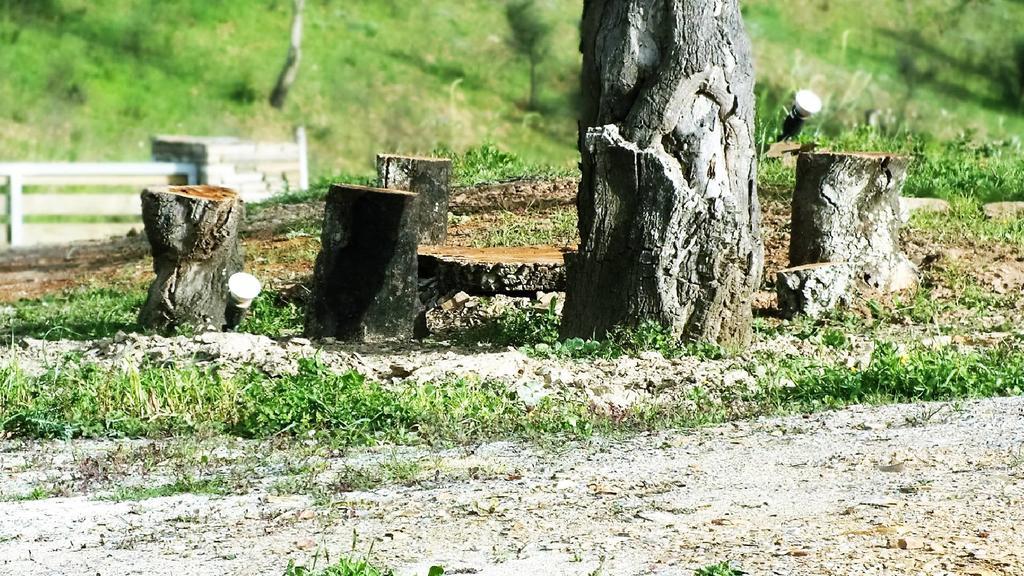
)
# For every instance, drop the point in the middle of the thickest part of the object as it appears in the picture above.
(893, 490)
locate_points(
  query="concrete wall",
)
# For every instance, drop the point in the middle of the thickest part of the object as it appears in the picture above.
(256, 170)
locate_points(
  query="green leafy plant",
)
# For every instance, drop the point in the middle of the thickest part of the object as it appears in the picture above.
(721, 569)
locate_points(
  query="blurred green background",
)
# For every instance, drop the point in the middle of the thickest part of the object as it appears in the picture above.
(94, 79)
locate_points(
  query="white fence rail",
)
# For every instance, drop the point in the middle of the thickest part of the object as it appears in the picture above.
(17, 176)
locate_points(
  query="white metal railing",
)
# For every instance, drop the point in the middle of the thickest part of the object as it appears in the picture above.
(21, 174)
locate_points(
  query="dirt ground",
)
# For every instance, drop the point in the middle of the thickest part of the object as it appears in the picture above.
(914, 489)
(936, 490)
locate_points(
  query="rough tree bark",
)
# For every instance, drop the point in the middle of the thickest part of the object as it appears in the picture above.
(814, 289)
(846, 208)
(193, 232)
(430, 180)
(291, 64)
(365, 282)
(669, 215)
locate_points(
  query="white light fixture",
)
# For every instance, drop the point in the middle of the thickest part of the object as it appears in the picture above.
(805, 105)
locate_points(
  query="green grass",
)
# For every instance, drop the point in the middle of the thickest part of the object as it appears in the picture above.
(93, 80)
(343, 567)
(536, 332)
(722, 569)
(36, 493)
(557, 228)
(83, 400)
(81, 314)
(80, 400)
(488, 163)
(895, 375)
(184, 485)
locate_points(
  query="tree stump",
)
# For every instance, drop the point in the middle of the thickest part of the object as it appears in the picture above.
(430, 180)
(814, 289)
(193, 233)
(846, 208)
(365, 283)
(669, 215)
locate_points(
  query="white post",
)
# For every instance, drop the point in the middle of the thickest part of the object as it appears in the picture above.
(300, 137)
(15, 214)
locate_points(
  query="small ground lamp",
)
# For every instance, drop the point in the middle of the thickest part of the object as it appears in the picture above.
(805, 105)
(243, 288)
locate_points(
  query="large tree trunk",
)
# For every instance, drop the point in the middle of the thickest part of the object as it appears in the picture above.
(669, 215)
(193, 232)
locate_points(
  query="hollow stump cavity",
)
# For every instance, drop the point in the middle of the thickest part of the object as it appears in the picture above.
(193, 234)
(365, 284)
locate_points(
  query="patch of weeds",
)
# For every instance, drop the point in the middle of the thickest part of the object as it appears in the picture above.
(184, 485)
(721, 569)
(84, 314)
(36, 493)
(274, 316)
(516, 327)
(835, 339)
(966, 221)
(343, 567)
(487, 164)
(86, 400)
(536, 332)
(557, 228)
(895, 375)
(315, 481)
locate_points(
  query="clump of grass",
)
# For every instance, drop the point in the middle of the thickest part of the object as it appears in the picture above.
(895, 375)
(536, 332)
(183, 485)
(720, 569)
(274, 316)
(85, 400)
(82, 314)
(36, 493)
(557, 228)
(343, 567)
(488, 163)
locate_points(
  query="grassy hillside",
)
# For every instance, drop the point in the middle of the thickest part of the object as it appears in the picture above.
(93, 79)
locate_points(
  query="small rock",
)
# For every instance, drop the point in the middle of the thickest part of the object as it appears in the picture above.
(307, 514)
(895, 467)
(305, 544)
(907, 543)
(457, 302)
(910, 205)
(1004, 210)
